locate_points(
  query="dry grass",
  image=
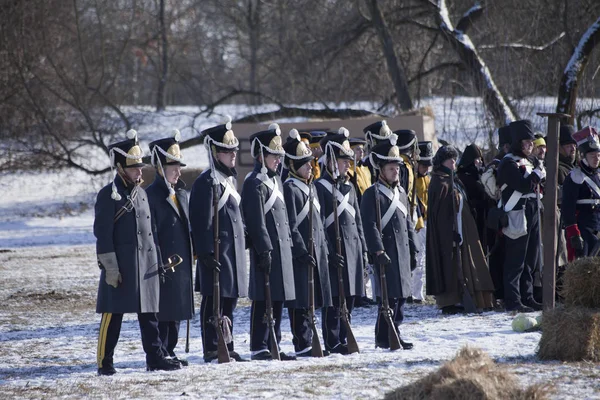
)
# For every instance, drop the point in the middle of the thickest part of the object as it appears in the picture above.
(570, 334)
(582, 283)
(472, 374)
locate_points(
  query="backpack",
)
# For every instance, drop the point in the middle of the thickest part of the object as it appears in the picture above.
(488, 179)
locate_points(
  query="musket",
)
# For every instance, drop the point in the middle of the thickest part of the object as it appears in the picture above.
(386, 312)
(467, 299)
(217, 320)
(317, 350)
(343, 308)
(268, 318)
(187, 337)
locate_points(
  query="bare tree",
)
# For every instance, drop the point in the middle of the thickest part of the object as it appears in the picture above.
(567, 93)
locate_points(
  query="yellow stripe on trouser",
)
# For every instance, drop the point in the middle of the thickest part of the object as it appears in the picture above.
(102, 338)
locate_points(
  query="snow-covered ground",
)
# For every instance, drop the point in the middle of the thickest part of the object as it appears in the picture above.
(48, 327)
(48, 333)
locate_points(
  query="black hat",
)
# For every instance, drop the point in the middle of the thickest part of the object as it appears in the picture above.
(406, 139)
(444, 153)
(521, 130)
(504, 136)
(587, 140)
(377, 132)
(166, 151)
(357, 142)
(220, 138)
(337, 146)
(297, 153)
(316, 136)
(425, 153)
(384, 153)
(267, 141)
(127, 153)
(566, 135)
(472, 152)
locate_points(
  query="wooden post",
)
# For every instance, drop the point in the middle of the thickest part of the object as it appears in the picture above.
(550, 238)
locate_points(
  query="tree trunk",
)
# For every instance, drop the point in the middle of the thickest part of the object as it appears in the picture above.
(164, 59)
(567, 93)
(394, 69)
(494, 101)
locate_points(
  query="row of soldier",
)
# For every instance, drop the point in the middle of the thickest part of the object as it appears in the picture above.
(382, 201)
(137, 231)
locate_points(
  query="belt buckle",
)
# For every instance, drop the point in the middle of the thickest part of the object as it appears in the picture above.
(128, 206)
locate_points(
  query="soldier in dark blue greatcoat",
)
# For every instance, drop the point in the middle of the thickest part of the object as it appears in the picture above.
(268, 228)
(170, 216)
(581, 197)
(126, 250)
(222, 147)
(394, 247)
(353, 256)
(296, 191)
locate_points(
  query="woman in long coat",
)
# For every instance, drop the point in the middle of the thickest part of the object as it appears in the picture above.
(456, 279)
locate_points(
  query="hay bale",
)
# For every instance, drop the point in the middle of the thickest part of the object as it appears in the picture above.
(570, 334)
(581, 283)
(472, 374)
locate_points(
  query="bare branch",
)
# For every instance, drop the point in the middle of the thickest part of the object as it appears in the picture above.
(522, 46)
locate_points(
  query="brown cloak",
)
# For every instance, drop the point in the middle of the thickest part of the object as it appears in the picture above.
(441, 269)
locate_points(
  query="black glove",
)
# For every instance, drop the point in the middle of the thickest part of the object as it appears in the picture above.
(336, 260)
(456, 238)
(264, 262)
(306, 260)
(382, 259)
(210, 261)
(577, 243)
(248, 240)
(413, 262)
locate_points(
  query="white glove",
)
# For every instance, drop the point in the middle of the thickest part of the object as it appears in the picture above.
(111, 269)
(541, 172)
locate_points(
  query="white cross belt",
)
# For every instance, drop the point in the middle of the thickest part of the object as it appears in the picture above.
(343, 203)
(275, 194)
(228, 190)
(306, 190)
(395, 204)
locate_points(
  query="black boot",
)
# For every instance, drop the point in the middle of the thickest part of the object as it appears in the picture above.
(107, 370)
(340, 349)
(209, 356)
(406, 345)
(262, 356)
(285, 357)
(235, 356)
(163, 364)
(533, 304)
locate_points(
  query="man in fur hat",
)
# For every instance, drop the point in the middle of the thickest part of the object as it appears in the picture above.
(268, 227)
(222, 147)
(168, 201)
(353, 256)
(393, 244)
(126, 250)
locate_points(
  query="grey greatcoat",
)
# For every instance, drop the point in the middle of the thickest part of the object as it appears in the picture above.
(172, 230)
(351, 233)
(398, 236)
(296, 194)
(268, 231)
(129, 243)
(233, 278)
